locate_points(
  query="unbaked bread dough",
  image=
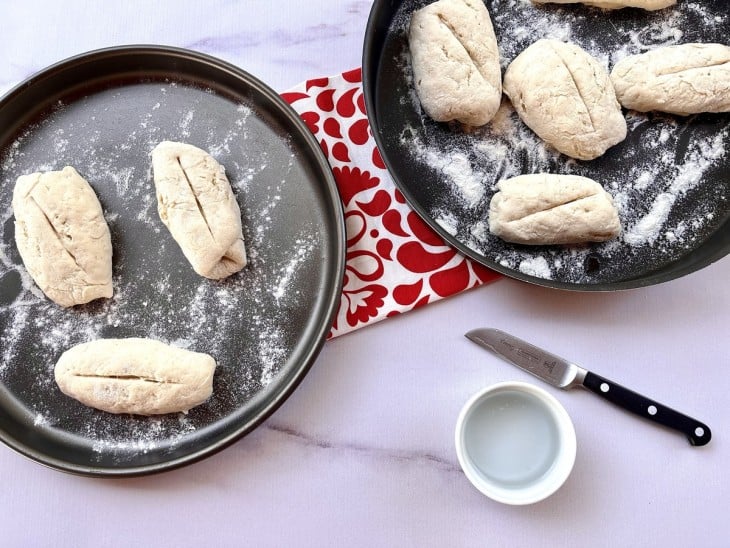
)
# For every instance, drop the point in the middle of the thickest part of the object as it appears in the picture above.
(683, 79)
(615, 4)
(543, 209)
(455, 60)
(138, 376)
(62, 236)
(195, 201)
(566, 97)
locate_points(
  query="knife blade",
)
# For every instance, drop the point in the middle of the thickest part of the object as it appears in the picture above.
(564, 374)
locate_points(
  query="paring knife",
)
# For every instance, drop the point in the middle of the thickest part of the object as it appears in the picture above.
(564, 374)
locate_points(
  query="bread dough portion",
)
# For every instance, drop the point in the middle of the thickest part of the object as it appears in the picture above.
(684, 79)
(455, 59)
(565, 96)
(196, 203)
(544, 209)
(62, 236)
(649, 5)
(138, 376)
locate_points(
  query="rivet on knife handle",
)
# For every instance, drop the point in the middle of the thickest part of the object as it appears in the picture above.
(697, 432)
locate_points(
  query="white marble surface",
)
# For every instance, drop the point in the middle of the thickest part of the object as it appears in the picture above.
(362, 453)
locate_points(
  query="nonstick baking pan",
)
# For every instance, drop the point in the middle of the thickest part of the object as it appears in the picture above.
(670, 178)
(103, 112)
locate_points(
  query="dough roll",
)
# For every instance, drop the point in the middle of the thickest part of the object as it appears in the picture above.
(62, 236)
(455, 59)
(135, 375)
(545, 209)
(566, 97)
(684, 79)
(196, 203)
(649, 5)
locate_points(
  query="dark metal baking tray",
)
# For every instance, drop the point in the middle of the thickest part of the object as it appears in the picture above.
(103, 112)
(397, 122)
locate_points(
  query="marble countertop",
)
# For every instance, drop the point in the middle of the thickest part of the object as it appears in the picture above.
(362, 454)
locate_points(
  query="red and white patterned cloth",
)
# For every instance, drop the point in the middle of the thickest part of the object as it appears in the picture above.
(395, 262)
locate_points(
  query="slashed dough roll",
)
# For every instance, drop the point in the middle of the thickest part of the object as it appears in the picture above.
(62, 236)
(683, 79)
(455, 58)
(649, 5)
(135, 375)
(195, 201)
(544, 209)
(566, 97)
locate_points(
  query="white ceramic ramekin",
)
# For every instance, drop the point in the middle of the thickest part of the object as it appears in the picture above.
(515, 442)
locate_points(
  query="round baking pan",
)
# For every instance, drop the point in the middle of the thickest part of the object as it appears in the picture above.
(661, 151)
(103, 112)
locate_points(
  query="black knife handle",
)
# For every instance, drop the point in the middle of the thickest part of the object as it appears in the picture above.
(697, 432)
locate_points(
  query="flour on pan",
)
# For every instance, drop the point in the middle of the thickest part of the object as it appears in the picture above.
(193, 315)
(667, 164)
